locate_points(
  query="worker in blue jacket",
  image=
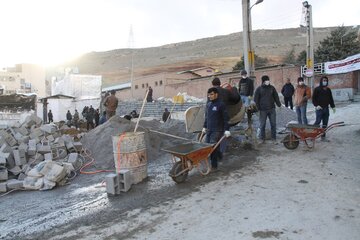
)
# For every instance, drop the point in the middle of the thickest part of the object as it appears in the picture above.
(216, 123)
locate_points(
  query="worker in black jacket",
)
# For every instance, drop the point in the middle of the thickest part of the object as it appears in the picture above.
(322, 98)
(216, 123)
(246, 88)
(265, 98)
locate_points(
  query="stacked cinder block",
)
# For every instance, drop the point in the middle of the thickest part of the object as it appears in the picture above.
(118, 182)
(36, 156)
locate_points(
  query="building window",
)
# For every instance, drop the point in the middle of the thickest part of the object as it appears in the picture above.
(136, 86)
(156, 83)
(160, 82)
(147, 85)
(143, 85)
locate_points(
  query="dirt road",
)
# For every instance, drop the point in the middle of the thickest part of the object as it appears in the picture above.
(269, 192)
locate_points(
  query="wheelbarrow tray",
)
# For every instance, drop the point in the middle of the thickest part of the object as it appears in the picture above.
(192, 151)
(304, 131)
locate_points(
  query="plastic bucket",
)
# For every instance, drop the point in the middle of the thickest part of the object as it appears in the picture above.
(130, 154)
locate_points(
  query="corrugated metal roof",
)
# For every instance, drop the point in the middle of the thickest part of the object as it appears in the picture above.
(117, 87)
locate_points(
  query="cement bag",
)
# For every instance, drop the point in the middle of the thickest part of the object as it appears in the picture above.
(35, 171)
(56, 173)
(48, 184)
(33, 183)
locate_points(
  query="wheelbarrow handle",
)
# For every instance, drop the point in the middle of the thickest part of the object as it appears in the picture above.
(217, 144)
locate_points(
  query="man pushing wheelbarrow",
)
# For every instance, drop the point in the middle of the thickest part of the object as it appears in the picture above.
(191, 155)
(215, 125)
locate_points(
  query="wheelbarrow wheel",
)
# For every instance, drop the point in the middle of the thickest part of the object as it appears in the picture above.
(291, 142)
(176, 169)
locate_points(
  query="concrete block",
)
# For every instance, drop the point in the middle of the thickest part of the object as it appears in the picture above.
(18, 136)
(23, 147)
(3, 174)
(14, 184)
(5, 148)
(50, 138)
(36, 133)
(21, 176)
(78, 146)
(48, 156)
(31, 147)
(3, 159)
(73, 158)
(23, 130)
(19, 157)
(43, 148)
(48, 128)
(3, 187)
(10, 140)
(70, 147)
(124, 180)
(16, 170)
(2, 140)
(112, 184)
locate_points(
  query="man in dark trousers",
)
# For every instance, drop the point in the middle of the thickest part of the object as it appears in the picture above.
(216, 123)
(111, 103)
(68, 118)
(288, 92)
(246, 88)
(50, 116)
(322, 98)
(265, 99)
(166, 115)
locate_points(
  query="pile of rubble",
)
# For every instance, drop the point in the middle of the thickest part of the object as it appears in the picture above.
(35, 156)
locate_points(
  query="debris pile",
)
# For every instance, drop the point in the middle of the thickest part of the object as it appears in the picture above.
(35, 156)
(99, 141)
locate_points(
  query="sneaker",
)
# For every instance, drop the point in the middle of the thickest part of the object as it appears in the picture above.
(213, 169)
(325, 139)
(261, 141)
(274, 142)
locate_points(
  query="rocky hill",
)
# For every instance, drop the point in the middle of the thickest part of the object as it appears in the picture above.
(221, 52)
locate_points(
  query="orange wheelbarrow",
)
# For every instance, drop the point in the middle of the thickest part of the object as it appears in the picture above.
(188, 156)
(305, 133)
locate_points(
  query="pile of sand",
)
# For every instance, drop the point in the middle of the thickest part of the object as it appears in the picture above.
(99, 140)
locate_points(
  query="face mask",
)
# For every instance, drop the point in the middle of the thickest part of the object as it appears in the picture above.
(301, 83)
(244, 77)
(267, 83)
(325, 83)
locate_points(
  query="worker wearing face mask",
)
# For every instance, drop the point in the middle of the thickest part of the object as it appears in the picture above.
(265, 98)
(302, 95)
(246, 88)
(322, 98)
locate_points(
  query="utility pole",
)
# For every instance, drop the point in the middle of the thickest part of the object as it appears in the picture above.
(249, 53)
(309, 45)
(246, 34)
(131, 48)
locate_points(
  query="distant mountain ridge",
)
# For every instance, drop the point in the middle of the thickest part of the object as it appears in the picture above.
(221, 52)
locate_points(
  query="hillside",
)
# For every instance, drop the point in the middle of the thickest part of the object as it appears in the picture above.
(221, 52)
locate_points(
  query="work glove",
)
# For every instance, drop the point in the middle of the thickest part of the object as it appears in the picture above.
(334, 110)
(203, 130)
(250, 98)
(318, 107)
(227, 134)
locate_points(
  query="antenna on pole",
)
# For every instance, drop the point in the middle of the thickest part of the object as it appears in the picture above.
(131, 45)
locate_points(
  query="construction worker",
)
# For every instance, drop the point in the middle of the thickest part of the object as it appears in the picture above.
(216, 123)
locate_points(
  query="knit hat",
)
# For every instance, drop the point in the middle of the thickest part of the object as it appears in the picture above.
(216, 82)
(243, 72)
(265, 78)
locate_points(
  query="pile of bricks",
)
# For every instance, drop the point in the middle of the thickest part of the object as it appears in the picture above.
(36, 156)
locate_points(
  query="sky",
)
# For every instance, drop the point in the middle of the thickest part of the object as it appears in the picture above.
(49, 32)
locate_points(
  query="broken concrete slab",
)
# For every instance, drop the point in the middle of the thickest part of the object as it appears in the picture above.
(14, 184)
